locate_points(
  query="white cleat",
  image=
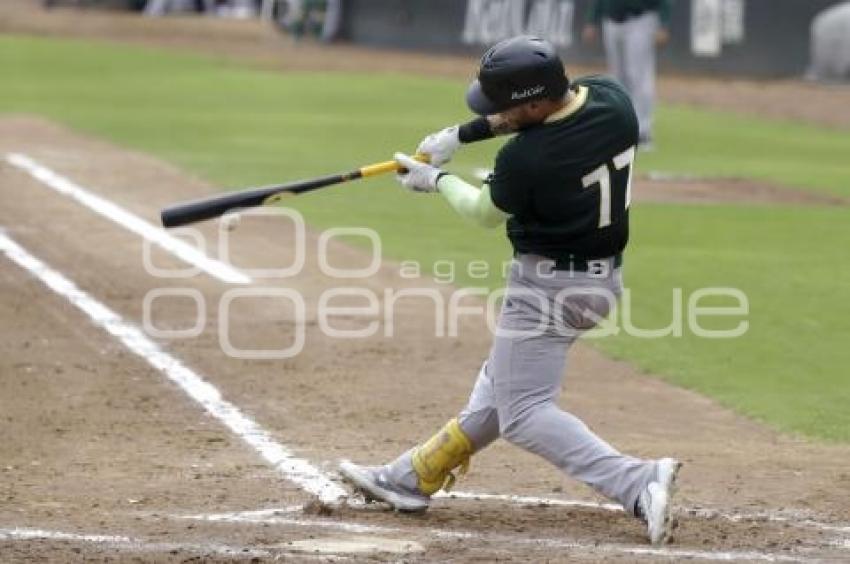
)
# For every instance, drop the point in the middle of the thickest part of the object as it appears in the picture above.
(653, 505)
(373, 482)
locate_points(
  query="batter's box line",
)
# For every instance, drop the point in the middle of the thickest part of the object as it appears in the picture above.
(128, 544)
(277, 517)
(798, 519)
(310, 548)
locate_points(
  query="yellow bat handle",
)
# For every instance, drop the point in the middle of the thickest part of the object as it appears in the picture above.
(387, 166)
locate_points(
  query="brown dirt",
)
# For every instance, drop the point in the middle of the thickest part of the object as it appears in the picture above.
(685, 190)
(94, 441)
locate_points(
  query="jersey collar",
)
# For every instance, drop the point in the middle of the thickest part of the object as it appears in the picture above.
(571, 108)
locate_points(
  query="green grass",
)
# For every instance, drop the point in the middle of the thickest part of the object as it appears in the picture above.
(239, 126)
(720, 144)
(790, 368)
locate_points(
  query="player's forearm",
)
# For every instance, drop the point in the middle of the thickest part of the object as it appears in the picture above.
(470, 202)
(484, 127)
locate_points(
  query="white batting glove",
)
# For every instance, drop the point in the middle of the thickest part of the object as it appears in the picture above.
(417, 176)
(440, 146)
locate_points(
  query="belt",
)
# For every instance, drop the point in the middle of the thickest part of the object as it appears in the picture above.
(575, 264)
(621, 17)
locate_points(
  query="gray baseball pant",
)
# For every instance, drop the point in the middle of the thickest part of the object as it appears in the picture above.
(630, 50)
(515, 396)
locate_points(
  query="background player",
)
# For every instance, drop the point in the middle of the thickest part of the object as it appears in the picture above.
(631, 30)
(562, 183)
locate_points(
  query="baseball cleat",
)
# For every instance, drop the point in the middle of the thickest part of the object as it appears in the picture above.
(653, 505)
(374, 484)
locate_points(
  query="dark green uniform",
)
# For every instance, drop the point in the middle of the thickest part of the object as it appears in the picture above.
(622, 10)
(565, 182)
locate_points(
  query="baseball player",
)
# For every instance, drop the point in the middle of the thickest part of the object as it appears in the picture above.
(562, 184)
(631, 29)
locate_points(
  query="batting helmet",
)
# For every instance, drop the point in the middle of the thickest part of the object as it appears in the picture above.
(516, 71)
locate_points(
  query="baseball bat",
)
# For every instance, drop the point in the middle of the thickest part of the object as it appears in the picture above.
(207, 208)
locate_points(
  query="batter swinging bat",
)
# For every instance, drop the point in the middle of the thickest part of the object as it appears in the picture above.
(206, 208)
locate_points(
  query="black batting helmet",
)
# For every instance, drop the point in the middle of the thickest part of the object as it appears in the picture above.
(515, 71)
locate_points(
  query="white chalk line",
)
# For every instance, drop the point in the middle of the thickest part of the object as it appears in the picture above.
(120, 542)
(795, 518)
(798, 519)
(124, 543)
(129, 544)
(527, 500)
(246, 428)
(129, 221)
(19, 533)
(835, 528)
(294, 469)
(276, 517)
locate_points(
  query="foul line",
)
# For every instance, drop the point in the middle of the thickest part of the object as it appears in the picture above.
(294, 469)
(129, 221)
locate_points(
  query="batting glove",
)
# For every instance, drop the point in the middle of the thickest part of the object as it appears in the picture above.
(417, 176)
(440, 146)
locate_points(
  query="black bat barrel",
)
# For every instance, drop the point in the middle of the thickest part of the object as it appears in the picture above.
(207, 208)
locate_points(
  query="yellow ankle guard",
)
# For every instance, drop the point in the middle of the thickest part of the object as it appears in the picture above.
(442, 453)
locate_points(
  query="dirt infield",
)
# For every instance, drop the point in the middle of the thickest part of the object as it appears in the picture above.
(673, 189)
(100, 447)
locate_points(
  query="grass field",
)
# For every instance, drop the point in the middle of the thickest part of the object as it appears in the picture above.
(239, 126)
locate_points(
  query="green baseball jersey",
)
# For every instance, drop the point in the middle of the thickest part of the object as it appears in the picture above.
(621, 10)
(566, 183)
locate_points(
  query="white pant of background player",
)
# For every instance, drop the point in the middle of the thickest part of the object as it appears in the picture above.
(630, 51)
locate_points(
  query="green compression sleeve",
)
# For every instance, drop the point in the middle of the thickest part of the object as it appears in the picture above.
(470, 202)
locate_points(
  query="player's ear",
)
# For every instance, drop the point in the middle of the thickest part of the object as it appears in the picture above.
(536, 110)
